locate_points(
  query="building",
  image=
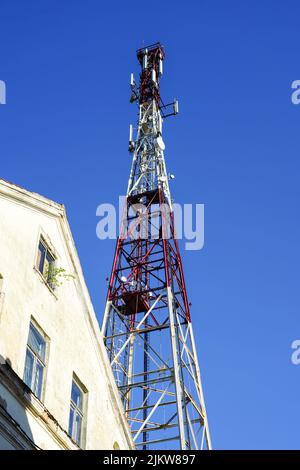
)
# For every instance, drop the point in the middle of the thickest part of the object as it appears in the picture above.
(56, 386)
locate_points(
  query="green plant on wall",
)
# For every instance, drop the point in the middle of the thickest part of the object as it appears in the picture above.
(55, 276)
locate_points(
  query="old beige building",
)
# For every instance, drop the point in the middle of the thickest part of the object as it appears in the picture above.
(56, 386)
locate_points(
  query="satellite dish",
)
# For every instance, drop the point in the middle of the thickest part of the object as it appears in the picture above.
(160, 143)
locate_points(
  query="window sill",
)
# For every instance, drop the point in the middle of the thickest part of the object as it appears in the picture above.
(45, 282)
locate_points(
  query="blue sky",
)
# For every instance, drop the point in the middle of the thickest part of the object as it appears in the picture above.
(234, 147)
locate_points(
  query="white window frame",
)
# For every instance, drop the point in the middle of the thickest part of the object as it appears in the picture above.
(77, 411)
(48, 251)
(37, 360)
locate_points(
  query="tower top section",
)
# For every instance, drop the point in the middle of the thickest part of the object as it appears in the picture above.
(151, 61)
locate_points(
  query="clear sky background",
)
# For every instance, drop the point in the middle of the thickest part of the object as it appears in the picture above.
(234, 147)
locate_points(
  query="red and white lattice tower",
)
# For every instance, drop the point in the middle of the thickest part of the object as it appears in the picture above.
(147, 325)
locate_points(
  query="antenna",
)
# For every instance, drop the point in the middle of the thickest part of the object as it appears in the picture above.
(132, 82)
(131, 141)
(175, 107)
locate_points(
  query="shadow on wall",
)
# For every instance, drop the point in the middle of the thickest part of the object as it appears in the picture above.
(15, 432)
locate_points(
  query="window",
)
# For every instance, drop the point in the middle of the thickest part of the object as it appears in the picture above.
(45, 261)
(76, 412)
(35, 361)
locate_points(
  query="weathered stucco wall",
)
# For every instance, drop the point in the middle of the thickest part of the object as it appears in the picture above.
(67, 318)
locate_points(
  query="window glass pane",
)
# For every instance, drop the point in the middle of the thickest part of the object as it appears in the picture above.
(77, 429)
(37, 342)
(28, 368)
(41, 257)
(71, 420)
(50, 258)
(37, 389)
(76, 395)
(50, 266)
(46, 269)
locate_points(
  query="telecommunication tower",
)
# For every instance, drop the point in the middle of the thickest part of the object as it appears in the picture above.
(147, 325)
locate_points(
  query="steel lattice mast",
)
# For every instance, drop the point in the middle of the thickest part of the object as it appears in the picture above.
(147, 325)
